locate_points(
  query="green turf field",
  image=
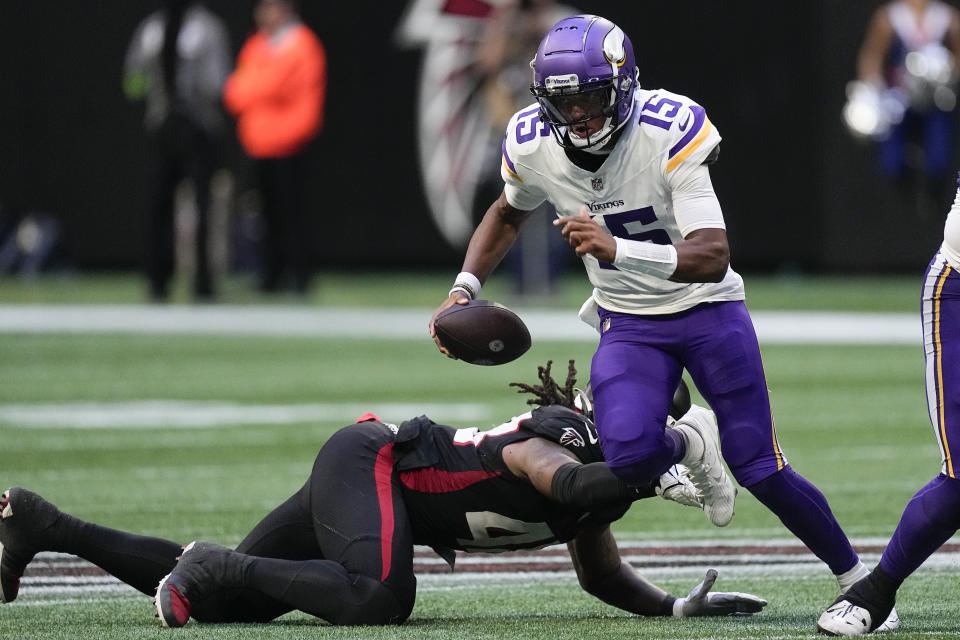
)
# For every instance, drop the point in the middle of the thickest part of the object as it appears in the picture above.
(420, 289)
(850, 418)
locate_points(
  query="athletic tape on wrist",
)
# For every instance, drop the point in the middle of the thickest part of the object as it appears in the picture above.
(678, 607)
(659, 260)
(468, 283)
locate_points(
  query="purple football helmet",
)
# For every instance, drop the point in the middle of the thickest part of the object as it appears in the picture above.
(584, 68)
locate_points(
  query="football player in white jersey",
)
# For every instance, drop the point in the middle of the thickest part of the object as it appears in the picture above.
(933, 515)
(626, 169)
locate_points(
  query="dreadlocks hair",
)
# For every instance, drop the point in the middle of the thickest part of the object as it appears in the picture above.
(548, 392)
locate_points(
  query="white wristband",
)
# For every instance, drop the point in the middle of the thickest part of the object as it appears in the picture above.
(678, 607)
(468, 283)
(658, 260)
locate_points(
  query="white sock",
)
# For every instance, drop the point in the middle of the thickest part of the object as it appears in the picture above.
(848, 578)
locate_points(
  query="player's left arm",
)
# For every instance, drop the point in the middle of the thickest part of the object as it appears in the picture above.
(704, 253)
(604, 574)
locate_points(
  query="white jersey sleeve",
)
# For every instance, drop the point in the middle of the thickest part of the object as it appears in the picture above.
(695, 203)
(951, 235)
(523, 137)
(685, 146)
(684, 137)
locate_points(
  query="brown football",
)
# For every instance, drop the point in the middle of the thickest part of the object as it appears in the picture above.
(482, 332)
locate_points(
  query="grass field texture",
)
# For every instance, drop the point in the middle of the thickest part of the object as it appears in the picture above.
(852, 419)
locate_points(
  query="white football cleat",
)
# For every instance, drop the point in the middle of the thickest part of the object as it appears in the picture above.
(844, 618)
(716, 489)
(860, 590)
(891, 623)
(675, 485)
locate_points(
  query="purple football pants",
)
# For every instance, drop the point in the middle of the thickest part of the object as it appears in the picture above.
(637, 366)
(933, 515)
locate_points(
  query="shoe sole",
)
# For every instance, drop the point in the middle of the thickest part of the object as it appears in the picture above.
(8, 592)
(163, 601)
(166, 606)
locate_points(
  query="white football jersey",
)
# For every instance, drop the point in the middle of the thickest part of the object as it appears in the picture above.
(631, 195)
(951, 235)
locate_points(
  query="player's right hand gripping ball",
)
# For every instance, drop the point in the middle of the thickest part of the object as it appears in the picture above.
(482, 332)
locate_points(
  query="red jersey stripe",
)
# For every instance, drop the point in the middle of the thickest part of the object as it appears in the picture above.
(382, 470)
(430, 480)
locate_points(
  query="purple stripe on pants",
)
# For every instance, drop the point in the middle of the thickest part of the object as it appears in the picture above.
(637, 366)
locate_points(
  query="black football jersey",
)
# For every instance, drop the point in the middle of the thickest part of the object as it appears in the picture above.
(461, 495)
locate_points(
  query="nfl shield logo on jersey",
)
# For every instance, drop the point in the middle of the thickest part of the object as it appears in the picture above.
(597, 183)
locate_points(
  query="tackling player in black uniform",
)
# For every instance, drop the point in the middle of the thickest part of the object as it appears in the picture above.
(341, 548)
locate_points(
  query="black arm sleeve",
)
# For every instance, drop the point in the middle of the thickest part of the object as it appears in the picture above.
(591, 485)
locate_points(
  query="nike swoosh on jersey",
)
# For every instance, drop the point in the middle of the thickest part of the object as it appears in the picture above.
(593, 439)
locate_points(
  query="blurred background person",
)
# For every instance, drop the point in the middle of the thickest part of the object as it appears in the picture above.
(178, 61)
(509, 42)
(277, 95)
(905, 96)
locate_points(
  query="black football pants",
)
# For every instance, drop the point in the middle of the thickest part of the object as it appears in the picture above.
(341, 548)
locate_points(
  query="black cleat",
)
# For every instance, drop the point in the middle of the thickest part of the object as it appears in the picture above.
(202, 569)
(26, 527)
(865, 607)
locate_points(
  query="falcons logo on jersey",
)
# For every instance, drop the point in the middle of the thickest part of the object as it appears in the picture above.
(572, 437)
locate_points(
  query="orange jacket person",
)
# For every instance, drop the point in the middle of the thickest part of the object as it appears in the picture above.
(277, 95)
(277, 90)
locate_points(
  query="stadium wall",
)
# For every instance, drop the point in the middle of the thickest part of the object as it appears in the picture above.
(798, 192)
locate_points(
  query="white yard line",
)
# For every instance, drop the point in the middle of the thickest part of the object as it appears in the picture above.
(411, 323)
(180, 414)
(57, 576)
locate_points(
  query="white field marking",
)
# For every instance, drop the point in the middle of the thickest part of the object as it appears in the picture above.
(150, 414)
(787, 560)
(423, 553)
(636, 560)
(78, 597)
(52, 582)
(802, 327)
